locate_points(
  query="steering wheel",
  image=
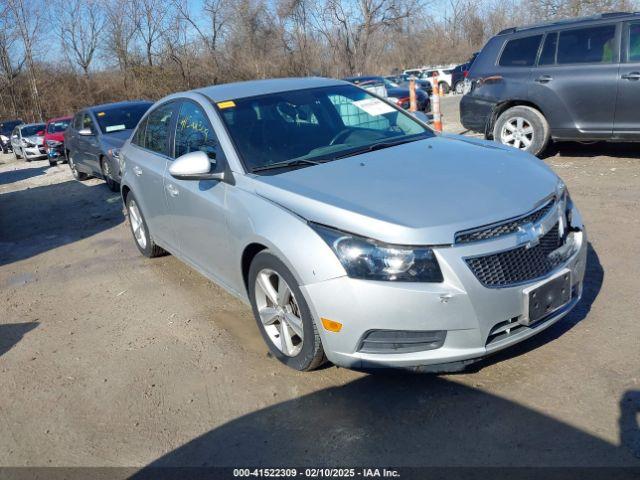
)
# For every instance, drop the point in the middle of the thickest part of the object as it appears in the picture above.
(339, 136)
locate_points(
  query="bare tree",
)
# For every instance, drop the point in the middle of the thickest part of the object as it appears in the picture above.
(81, 25)
(27, 20)
(11, 61)
(154, 15)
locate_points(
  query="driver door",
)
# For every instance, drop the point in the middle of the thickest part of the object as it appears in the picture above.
(198, 208)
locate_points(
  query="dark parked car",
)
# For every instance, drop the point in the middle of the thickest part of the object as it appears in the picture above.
(6, 127)
(403, 81)
(395, 93)
(576, 80)
(459, 73)
(94, 137)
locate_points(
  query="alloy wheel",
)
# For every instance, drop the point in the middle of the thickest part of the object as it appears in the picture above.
(517, 132)
(106, 173)
(279, 312)
(137, 225)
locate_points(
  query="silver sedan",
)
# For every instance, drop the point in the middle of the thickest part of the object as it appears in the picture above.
(355, 232)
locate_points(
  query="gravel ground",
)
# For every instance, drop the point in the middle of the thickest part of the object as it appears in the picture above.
(111, 359)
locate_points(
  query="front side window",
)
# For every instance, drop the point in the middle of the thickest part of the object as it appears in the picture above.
(57, 126)
(587, 45)
(77, 121)
(116, 119)
(520, 52)
(158, 128)
(314, 125)
(194, 131)
(634, 43)
(87, 122)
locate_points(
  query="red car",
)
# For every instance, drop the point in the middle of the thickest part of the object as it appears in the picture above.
(54, 139)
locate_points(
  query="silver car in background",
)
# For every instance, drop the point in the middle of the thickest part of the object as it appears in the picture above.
(355, 232)
(27, 141)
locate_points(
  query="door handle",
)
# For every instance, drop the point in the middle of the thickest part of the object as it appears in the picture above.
(173, 191)
(137, 170)
(632, 76)
(544, 79)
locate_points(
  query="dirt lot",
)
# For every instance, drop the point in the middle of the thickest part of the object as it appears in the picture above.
(111, 359)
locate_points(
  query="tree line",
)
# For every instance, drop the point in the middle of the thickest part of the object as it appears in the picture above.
(57, 56)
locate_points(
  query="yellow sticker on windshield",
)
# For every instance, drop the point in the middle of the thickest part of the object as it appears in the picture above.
(101, 114)
(227, 104)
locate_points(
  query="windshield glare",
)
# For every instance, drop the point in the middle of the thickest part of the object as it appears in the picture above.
(31, 130)
(121, 118)
(317, 124)
(58, 126)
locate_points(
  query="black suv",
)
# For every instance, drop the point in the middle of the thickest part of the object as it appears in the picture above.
(573, 80)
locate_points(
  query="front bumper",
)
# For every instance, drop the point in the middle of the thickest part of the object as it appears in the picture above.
(34, 152)
(469, 312)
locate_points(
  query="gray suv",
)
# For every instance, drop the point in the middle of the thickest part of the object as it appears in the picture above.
(353, 230)
(575, 80)
(94, 137)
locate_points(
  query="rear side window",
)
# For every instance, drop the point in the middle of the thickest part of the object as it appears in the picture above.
(158, 128)
(520, 52)
(587, 45)
(548, 55)
(634, 42)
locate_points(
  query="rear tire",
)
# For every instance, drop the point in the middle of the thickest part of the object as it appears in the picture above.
(53, 163)
(524, 128)
(459, 88)
(74, 171)
(140, 230)
(305, 351)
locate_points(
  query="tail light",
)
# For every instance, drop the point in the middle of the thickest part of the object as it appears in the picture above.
(465, 74)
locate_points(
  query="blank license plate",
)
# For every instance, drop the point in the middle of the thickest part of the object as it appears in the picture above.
(548, 297)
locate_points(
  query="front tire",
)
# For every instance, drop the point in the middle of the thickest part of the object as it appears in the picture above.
(78, 175)
(282, 314)
(140, 231)
(524, 128)
(106, 174)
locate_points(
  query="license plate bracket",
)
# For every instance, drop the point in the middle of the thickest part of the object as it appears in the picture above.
(545, 298)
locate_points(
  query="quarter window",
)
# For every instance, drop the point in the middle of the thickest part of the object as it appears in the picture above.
(587, 45)
(520, 52)
(194, 131)
(138, 136)
(158, 128)
(548, 55)
(634, 42)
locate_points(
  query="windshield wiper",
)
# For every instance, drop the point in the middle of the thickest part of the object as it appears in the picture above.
(375, 146)
(288, 163)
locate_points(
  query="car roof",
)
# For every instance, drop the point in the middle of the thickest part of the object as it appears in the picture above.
(57, 119)
(110, 106)
(24, 125)
(252, 88)
(573, 21)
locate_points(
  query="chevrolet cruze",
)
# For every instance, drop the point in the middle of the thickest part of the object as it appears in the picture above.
(355, 232)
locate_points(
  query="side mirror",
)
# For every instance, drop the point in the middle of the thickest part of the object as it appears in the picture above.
(195, 166)
(85, 132)
(421, 116)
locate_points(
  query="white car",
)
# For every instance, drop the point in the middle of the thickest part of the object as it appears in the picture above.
(443, 76)
(27, 141)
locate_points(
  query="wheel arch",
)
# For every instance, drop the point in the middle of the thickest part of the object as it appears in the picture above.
(248, 254)
(502, 107)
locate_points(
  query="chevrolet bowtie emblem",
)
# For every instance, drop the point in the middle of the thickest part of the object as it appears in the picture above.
(530, 235)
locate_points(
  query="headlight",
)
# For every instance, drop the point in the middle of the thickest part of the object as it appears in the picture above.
(372, 260)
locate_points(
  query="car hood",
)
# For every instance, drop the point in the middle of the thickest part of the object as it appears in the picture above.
(35, 139)
(59, 136)
(417, 193)
(403, 92)
(115, 139)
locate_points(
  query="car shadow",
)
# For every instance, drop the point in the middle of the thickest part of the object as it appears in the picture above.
(593, 280)
(381, 420)
(21, 174)
(12, 333)
(39, 219)
(595, 149)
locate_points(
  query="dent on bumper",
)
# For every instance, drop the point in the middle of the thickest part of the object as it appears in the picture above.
(461, 306)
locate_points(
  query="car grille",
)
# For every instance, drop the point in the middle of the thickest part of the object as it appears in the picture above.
(518, 265)
(503, 228)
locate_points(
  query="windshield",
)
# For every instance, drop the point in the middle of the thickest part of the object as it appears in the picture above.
(120, 118)
(31, 130)
(319, 124)
(58, 126)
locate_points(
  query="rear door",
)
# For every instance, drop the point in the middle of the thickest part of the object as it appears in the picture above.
(198, 208)
(148, 162)
(576, 80)
(627, 119)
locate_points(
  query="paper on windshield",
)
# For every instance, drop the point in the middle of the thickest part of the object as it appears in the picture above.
(374, 106)
(114, 128)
